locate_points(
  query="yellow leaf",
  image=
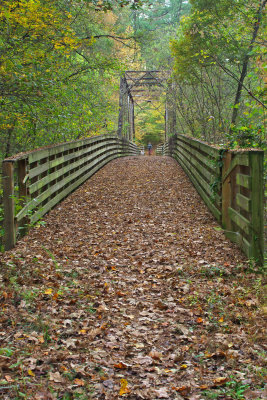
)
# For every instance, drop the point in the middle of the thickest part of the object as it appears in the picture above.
(30, 372)
(41, 339)
(124, 389)
(49, 291)
(183, 366)
(221, 319)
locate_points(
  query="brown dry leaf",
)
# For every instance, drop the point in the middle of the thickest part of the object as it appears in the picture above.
(154, 326)
(56, 377)
(184, 390)
(156, 355)
(161, 305)
(202, 387)
(220, 381)
(94, 332)
(182, 329)
(121, 365)
(8, 378)
(79, 382)
(162, 393)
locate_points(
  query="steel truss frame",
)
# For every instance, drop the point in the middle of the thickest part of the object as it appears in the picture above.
(137, 87)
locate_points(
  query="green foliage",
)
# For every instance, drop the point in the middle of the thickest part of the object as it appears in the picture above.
(233, 389)
(219, 69)
(150, 125)
(57, 74)
(154, 25)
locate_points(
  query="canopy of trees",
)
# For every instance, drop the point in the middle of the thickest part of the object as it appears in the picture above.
(60, 63)
(219, 71)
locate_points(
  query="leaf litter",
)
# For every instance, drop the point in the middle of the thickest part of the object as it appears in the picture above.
(130, 290)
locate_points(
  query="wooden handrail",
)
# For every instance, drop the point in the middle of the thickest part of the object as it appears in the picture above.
(34, 182)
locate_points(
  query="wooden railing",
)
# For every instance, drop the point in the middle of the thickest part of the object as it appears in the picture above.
(159, 150)
(202, 164)
(35, 182)
(231, 184)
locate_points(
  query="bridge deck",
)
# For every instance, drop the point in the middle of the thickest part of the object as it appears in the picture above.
(123, 283)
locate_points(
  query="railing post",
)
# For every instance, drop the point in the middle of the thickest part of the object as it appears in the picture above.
(257, 205)
(226, 192)
(22, 164)
(9, 205)
(121, 110)
(172, 144)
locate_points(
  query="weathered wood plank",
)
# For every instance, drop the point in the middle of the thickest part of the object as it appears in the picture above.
(56, 174)
(257, 205)
(226, 192)
(242, 242)
(61, 184)
(201, 146)
(242, 222)
(202, 193)
(209, 176)
(39, 154)
(70, 189)
(9, 206)
(205, 186)
(239, 159)
(243, 202)
(22, 199)
(68, 157)
(89, 155)
(207, 161)
(243, 180)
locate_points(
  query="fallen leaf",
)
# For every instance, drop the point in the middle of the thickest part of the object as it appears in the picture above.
(124, 389)
(94, 332)
(8, 378)
(155, 355)
(56, 377)
(220, 381)
(121, 365)
(79, 382)
(30, 372)
(162, 393)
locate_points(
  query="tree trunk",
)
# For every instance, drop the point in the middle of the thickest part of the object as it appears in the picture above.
(245, 63)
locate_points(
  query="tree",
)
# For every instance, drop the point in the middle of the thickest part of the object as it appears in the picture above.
(227, 35)
(59, 66)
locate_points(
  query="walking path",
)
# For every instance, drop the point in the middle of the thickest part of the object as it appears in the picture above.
(130, 290)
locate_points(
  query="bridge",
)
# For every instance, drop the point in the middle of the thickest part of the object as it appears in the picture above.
(229, 182)
(116, 291)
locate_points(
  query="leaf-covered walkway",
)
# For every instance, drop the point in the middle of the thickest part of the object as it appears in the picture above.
(130, 290)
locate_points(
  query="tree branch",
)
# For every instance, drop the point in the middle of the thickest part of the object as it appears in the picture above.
(230, 73)
(117, 38)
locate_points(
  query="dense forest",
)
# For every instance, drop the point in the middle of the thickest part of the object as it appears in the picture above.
(60, 63)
